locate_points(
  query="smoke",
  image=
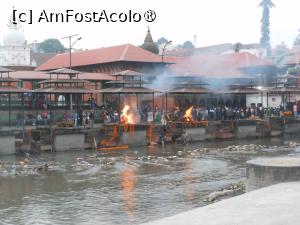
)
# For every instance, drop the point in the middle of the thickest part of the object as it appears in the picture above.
(162, 82)
(217, 71)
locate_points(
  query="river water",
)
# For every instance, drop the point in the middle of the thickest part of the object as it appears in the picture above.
(126, 187)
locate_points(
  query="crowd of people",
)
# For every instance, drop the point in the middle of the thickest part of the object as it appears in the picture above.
(225, 113)
(108, 113)
(198, 113)
(80, 117)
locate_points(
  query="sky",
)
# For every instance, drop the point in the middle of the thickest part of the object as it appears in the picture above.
(212, 21)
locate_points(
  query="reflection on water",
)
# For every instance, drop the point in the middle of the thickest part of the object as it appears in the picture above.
(128, 181)
(126, 187)
(189, 179)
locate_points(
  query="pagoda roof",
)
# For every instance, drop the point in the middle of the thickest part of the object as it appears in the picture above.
(127, 82)
(9, 80)
(128, 90)
(65, 90)
(189, 90)
(5, 70)
(284, 90)
(64, 71)
(63, 81)
(13, 89)
(127, 73)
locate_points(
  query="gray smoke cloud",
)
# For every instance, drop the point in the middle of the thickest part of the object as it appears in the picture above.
(162, 82)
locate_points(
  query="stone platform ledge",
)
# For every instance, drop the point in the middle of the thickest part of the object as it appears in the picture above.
(286, 162)
(274, 205)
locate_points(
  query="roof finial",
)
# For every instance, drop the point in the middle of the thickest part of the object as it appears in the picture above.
(149, 43)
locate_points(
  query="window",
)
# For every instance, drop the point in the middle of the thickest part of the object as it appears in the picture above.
(273, 99)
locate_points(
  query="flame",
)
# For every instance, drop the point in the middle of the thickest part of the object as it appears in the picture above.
(188, 115)
(126, 117)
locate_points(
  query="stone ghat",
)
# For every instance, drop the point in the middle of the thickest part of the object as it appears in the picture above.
(61, 139)
(278, 204)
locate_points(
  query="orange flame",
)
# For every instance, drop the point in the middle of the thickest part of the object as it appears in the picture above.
(188, 115)
(126, 117)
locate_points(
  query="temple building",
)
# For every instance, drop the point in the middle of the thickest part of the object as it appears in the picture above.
(16, 53)
(149, 44)
(15, 50)
(108, 60)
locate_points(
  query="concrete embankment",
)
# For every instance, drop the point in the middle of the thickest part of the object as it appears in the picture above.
(274, 205)
(263, 172)
(40, 139)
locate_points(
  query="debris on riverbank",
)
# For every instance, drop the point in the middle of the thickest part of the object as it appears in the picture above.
(232, 190)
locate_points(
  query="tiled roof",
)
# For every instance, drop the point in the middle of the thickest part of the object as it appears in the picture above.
(64, 71)
(215, 66)
(40, 58)
(132, 90)
(292, 59)
(245, 59)
(5, 70)
(13, 89)
(125, 52)
(39, 75)
(127, 73)
(77, 90)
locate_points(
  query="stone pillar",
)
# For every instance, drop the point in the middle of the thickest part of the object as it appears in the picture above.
(7, 145)
(263, 172)
(64, 142)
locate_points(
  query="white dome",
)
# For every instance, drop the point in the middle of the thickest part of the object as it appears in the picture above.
(14, 37)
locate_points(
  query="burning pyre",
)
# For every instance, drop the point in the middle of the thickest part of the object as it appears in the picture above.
(188, 117)
(126, 118)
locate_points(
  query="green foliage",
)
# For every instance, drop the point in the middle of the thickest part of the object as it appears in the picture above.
(188, 44)
(294, 70)
(297, 40)
(51, 45)
(161, 41)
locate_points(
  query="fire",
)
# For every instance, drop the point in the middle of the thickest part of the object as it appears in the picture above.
(126, 117)
(188, 115)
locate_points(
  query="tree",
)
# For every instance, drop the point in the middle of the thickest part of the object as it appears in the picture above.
(265, 25)
(188, 44)
(51, 45)
(297, 40)
(237, 47)
(161, 41)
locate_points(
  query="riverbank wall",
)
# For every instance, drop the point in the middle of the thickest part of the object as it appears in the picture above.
(46, 138)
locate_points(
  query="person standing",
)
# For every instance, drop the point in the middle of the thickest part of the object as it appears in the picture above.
(92, 117)
(295, 110)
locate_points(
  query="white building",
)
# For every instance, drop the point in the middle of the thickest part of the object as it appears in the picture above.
(285, 91)
(15, 51)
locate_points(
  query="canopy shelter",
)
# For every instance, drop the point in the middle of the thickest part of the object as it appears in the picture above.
(242, 89)
(286, 80)
(64, 86)
(11, 96)
(5, 71)
(61, 86)
(286, 94)
(127, 73)
(285, 85)
(64, 71)
(129, 85)
(63, 91)
(237, 93)
(128, 90)
(189, 90)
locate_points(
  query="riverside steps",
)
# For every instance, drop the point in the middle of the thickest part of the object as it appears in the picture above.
(55, 138)
(274, 205)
